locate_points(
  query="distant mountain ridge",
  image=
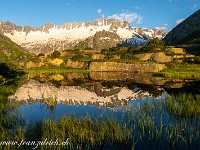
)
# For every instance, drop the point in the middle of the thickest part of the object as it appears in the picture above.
(51, 37)
(187, 32)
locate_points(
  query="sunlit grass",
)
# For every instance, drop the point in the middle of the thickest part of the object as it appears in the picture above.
(181, 71)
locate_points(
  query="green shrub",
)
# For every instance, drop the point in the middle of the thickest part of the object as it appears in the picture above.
(6, 70)
(55, 54)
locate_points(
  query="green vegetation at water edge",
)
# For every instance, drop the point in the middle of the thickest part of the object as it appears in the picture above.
(54, 70)
(181, 71)
(184, 105)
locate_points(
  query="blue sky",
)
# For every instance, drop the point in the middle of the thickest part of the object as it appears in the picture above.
(139, 13)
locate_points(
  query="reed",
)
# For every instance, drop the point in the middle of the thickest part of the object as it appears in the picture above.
(171, 123)
(184, 105)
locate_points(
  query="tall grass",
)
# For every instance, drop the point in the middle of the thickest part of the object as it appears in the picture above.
(184, 105)
(148, 124)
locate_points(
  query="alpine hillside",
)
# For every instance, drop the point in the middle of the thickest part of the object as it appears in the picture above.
(187, 32)
(10, 52)
(50, 37)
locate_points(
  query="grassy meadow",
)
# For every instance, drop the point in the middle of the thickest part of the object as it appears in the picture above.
(181, 71)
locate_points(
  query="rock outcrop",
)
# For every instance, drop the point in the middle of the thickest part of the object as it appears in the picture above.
(161, 57)
(101, 40)
(98, 56)
(77, 64)
(143, 57)
(125, 67)
(177, 51)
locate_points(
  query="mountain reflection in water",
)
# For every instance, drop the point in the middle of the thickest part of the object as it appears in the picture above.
(45, 96)
(33, 91)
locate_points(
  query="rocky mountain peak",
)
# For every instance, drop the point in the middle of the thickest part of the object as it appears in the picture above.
(50, 37)
(101, 40)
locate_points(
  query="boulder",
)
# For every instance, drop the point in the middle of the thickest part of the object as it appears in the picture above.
(57, 77)
(76, 64)
(143, 57)
(160, 57)
(177, 51)
(98, 56)
(178, 56)
(56, 61)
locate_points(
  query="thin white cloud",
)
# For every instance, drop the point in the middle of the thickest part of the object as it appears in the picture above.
(139, 20)
(99, 11)
(179, 21)
(129, 17)
(137, 7)
(164, 27)
(161, 28)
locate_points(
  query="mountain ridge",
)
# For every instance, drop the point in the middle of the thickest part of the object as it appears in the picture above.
(186, 32)
(50, 37)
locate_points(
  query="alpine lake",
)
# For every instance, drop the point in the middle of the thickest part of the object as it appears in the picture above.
(100, 110)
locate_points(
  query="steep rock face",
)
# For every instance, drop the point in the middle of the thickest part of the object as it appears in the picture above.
(101, 40)
(51, 37)
(187, 32)
(123, 67)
